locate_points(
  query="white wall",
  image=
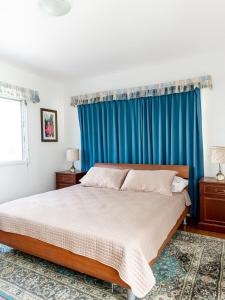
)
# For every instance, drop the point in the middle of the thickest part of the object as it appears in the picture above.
(213, 101)
(45, 158)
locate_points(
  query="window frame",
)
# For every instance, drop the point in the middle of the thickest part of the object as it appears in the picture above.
(24, 136)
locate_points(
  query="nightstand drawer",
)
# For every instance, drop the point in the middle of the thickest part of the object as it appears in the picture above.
(214, 189)
(214, 210)
(60, 185)
(65, 178)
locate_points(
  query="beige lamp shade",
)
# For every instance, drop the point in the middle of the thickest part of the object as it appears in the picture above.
(218, 155)
(72, 154)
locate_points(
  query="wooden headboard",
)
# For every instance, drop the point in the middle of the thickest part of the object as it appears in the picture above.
(183, 171)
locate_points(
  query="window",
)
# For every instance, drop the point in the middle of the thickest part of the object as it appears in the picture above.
(13, 131)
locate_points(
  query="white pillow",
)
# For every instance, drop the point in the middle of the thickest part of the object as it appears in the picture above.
(179, 184)
(149, 181)
(104, 177)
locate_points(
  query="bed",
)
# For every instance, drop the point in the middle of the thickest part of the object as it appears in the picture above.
(88, 229)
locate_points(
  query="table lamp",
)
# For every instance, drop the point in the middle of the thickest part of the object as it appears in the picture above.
(72, 155)
(218, 156)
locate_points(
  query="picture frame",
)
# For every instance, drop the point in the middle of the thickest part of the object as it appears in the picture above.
(49, 125)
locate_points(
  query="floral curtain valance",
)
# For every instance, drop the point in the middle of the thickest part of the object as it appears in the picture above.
(144, 91)
(19, 93)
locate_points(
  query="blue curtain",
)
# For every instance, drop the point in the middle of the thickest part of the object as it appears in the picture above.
(154, 130)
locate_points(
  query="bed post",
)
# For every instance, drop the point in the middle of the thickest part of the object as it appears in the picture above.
(130, 295)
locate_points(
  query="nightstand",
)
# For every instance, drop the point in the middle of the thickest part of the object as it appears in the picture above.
(212, 204)
(67, 178)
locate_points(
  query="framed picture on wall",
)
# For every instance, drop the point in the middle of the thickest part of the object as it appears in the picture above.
(49, 126)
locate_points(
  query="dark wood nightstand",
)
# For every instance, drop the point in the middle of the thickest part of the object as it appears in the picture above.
(212, 204)
(67, 178)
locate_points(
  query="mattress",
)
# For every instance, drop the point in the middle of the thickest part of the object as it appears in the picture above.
(120, 229)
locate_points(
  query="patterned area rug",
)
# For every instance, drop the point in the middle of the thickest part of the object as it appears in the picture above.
(3, 296)
(191, 267)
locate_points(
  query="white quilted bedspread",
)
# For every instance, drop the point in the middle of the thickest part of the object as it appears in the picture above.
(121, 229)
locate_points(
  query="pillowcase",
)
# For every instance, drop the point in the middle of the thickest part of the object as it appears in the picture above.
(149, 181)
(179, 184)
(104, 177)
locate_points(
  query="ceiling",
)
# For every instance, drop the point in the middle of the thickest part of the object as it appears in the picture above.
(101, 36)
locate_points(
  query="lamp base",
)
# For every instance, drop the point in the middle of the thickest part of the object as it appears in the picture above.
(72, 169)
(220, 176)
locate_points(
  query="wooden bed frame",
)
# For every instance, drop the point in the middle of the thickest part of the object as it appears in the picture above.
(81, 263)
